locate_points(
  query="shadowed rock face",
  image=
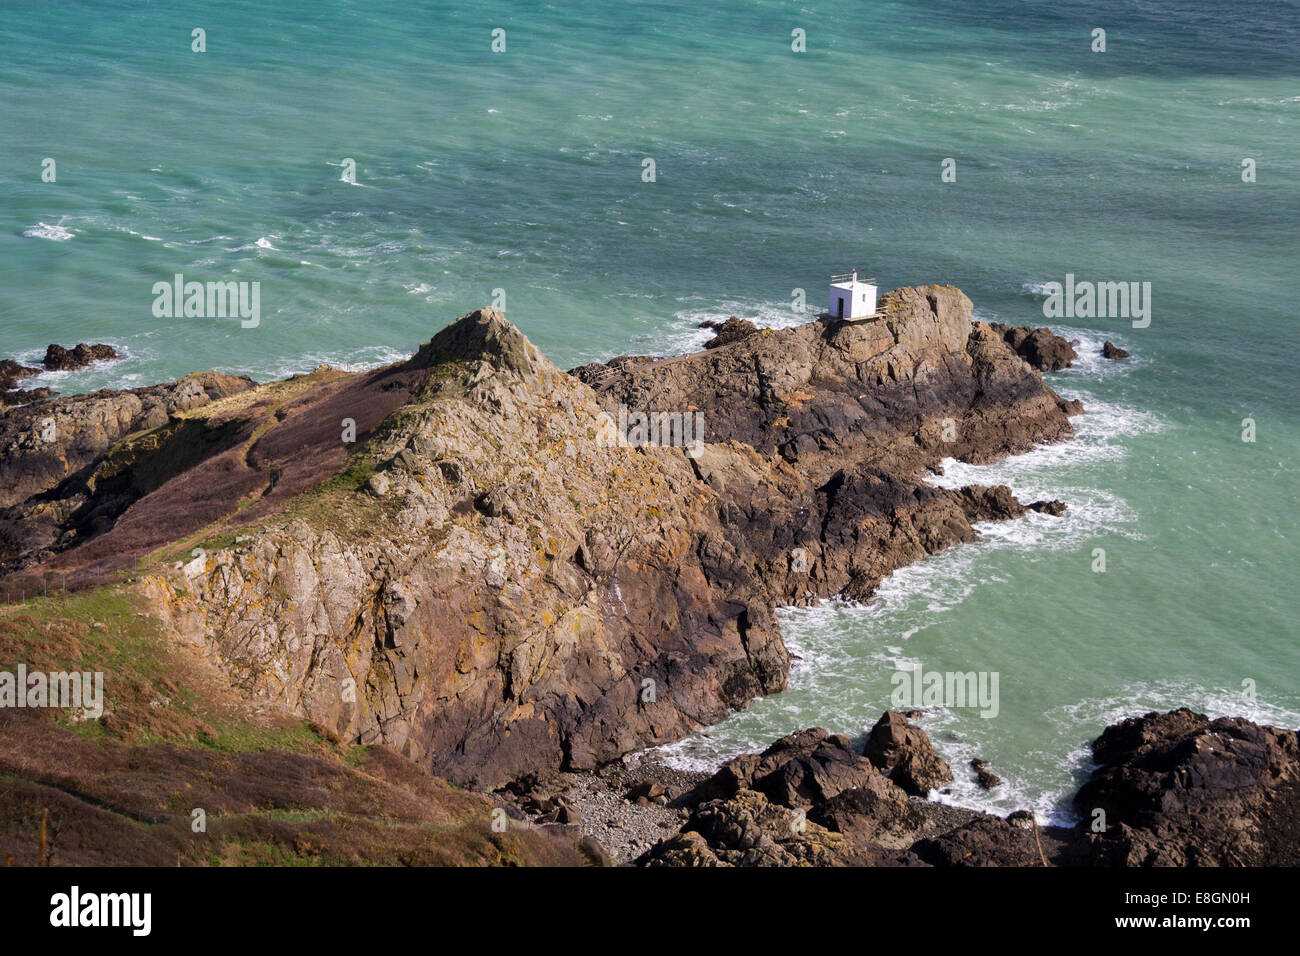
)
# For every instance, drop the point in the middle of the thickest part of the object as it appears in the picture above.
(487, 580)
(1178, 789)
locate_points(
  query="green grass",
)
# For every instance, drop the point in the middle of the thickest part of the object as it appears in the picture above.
(133, 652)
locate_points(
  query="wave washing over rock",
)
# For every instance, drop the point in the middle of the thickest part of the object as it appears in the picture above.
(462, 557)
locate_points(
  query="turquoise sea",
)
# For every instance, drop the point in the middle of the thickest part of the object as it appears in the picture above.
(522, 171)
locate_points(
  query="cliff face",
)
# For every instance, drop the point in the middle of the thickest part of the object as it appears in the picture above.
(483, 582)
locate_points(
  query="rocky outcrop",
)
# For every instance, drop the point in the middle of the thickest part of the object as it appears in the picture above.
(1173, 789)
(11, 373)
(1040, 347)
(905, 753)
(802, 770)
(1179, 789)
(490, 578)
(1112, 351)
(732, 330)
(52, 457)
(59, 359)
(986, 778)
(812, 799)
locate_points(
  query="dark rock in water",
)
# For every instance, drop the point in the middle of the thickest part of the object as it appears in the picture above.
(906, 754)
(732, 330)
(11, 373)
(1040, 347)
(986, 777)
(59, 359)
(1112, 351)
(991, 504)
(26, 396)
(1053, 507)
(1179, 789)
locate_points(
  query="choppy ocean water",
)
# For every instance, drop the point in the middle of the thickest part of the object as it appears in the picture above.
(522, 171)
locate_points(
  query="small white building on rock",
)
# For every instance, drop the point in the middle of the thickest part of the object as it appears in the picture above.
(851, 297)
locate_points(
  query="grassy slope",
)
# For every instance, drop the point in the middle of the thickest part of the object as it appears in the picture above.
(174, 738)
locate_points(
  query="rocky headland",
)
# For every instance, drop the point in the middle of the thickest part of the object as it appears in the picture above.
(458, 558)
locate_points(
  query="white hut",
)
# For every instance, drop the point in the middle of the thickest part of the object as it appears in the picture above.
(851, 297)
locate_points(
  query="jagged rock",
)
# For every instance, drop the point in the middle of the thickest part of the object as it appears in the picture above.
(997, 503)
(984, 841)
(799, 770)
(1054, 507)
(1112, 351)
(11, 373)
(685, 848)
(747, 829)
(750, 814)
(1040, 347)
(1179, 789)
(378, 484)
(1175, 789)
(59, 359)
(26, 396)
(986, 777)
(905, 753)
(732, 330)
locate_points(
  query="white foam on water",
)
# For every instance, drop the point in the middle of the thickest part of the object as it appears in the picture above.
(683, 333)
(54, 232)
(263, 242)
